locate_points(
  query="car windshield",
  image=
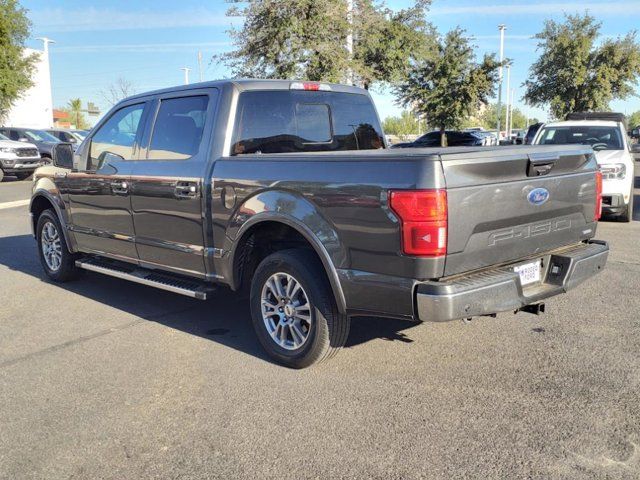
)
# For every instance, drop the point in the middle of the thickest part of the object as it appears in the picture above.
(80, 134)
(599, 137)
(40, 136)
(2, 137)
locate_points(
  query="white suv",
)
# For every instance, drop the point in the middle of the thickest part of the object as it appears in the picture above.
(18, 158)
(606, 134)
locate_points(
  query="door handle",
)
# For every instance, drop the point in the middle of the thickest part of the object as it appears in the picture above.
(120, 187)
(186, 190)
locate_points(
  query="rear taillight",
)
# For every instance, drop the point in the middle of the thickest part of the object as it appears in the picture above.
(598, 211)
(423, 221)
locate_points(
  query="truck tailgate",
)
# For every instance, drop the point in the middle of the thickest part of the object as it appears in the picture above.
(511, 203)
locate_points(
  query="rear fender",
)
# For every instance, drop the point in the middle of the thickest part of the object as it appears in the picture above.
(298, 213)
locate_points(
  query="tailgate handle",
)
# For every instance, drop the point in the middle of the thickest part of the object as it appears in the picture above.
(540, 166)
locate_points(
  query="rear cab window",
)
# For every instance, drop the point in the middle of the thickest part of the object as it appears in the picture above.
(284, 121)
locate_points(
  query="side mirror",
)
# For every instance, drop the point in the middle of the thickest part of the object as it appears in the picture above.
(62, 155)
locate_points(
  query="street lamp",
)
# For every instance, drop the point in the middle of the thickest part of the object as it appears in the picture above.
(502, 27)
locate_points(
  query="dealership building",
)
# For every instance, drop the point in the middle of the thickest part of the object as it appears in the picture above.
(34, 108)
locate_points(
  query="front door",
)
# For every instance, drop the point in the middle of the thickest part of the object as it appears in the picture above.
(99, 193)
(167, 187)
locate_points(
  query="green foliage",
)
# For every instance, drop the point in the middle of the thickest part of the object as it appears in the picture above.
(449, 85)
(306, 39)
(406, 124)
(15, 67)
(489, 117)
(634, 120)
(74, 108)
(575, 73)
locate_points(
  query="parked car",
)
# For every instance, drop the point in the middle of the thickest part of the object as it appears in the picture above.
(518, 136)
(283, 188)
(66, 135)
(18, 158)
(40, 138)
(531, 132)
(454, 139)
(606, 134)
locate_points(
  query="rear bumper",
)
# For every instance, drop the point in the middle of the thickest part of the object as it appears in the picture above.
(500, 289)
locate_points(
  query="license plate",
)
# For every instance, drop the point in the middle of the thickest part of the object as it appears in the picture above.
(529, 272)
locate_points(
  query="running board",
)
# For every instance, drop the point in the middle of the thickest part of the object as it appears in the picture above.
(152, 278)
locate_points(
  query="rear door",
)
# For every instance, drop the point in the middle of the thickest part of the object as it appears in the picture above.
(168, 193)
(510, 203)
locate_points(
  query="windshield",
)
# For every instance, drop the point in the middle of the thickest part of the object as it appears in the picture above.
(599, 137)
(2, 137)
(40, 136)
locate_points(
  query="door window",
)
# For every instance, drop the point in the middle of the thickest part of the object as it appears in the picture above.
(117, 135)
(178, 128)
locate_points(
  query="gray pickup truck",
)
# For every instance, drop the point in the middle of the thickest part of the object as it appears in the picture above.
(286, 189)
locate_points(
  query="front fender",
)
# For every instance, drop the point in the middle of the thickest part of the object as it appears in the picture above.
(298, 213)
(45, 188)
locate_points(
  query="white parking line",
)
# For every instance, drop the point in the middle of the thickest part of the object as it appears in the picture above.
(17, 203)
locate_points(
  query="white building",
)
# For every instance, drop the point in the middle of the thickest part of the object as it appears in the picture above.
(35, 107)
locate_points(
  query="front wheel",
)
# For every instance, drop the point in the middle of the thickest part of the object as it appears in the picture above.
(23, 175)
(293, 309)
(1, 175)
(57, 261)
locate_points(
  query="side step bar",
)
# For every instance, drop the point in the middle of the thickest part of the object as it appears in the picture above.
(163, 281)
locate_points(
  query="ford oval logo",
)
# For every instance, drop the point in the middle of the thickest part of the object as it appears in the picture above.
(538, 196)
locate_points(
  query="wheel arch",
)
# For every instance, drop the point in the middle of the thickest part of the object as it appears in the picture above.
(271, 220)
(43, 200)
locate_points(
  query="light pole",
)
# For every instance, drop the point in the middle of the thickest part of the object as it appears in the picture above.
(508, 106)
(502, 27)
(186, 71)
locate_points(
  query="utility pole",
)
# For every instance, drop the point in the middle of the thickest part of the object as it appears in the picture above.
(513, 94)
(200, 65)
(508, 106)
(186, 71)
(502, 27)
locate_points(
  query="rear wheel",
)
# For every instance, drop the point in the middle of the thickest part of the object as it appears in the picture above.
(57, 261)
(293, 309)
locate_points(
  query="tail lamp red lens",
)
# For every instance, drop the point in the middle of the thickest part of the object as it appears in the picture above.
(423, 221)
(598, 211)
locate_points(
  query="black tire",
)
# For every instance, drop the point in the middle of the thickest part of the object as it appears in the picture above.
(23, 176)
(627, 215)
(1, 175)
(328, 329)
(67, 269)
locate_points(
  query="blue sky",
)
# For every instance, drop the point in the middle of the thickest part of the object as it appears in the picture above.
(148, 41)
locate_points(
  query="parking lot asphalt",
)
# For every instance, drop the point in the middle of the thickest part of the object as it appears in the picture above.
(101, 378)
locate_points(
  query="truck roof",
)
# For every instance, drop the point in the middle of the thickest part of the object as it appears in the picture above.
(245, 84)
(578, 123)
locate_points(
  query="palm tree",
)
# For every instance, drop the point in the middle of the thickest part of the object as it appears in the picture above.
(75, 107)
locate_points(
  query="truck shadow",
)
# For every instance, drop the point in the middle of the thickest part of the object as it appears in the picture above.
(225, 318)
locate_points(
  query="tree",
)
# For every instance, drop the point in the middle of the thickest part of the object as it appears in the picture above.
(575, 72)
(449, 85)
(406, 124)
(15, 66)
(489, 117)
(307, 40)
(119, 90)
(74, 108)
(634, 120)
